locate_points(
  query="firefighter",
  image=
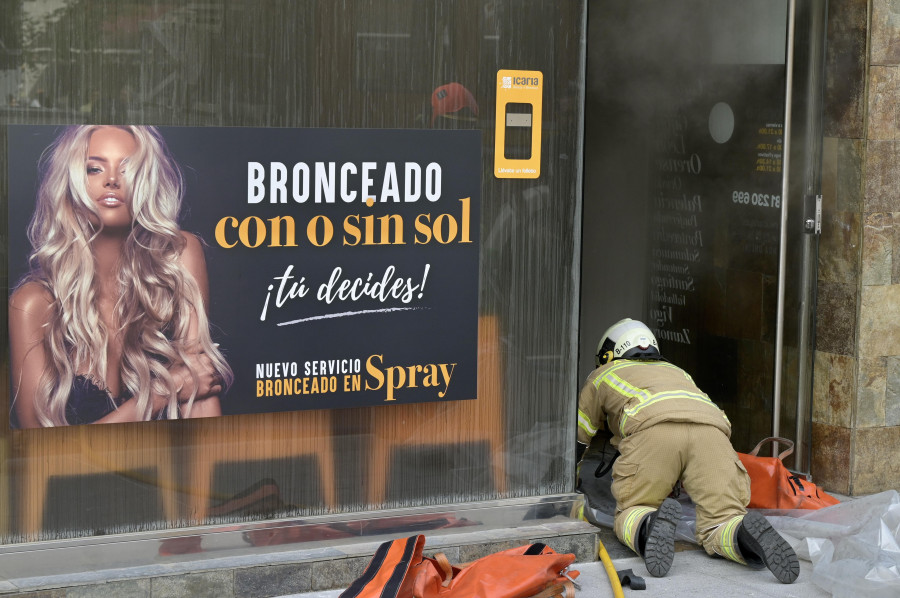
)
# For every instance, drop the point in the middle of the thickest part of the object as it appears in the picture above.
(667, 430)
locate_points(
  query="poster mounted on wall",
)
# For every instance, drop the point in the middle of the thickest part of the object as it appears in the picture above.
(335, 268)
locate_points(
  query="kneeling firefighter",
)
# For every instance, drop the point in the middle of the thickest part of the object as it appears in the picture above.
(666, 429)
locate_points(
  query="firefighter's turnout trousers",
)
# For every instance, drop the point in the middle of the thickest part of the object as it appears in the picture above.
(702, 457)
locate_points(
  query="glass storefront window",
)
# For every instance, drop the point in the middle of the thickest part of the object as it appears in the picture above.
(373, 64)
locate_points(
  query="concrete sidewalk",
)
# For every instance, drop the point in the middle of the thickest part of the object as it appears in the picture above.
(295, 561)
(693, 573)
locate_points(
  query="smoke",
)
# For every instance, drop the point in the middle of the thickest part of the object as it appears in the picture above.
(646, 60)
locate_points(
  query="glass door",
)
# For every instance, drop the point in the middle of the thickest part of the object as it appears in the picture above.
(696, 183)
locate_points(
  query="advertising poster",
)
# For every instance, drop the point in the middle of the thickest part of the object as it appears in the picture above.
(342, 264)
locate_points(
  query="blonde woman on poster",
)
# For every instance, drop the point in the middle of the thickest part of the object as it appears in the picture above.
(110, 323)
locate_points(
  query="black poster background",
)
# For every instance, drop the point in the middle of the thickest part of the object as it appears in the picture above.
(437, 326)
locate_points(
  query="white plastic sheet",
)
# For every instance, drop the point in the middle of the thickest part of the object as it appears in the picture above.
(854, 546)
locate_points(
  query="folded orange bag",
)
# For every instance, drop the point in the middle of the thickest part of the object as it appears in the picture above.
(398, 570)
(773, 486)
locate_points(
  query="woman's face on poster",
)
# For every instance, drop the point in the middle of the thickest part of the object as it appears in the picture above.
(109, 151)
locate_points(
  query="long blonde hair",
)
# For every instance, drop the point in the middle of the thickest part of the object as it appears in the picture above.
(157, 298)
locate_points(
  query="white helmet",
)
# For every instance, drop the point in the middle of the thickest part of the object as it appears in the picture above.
(627, 339)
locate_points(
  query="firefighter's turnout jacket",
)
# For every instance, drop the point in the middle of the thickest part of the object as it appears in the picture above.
(633, 395)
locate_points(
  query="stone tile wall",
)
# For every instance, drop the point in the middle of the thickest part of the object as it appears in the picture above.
(856, 402)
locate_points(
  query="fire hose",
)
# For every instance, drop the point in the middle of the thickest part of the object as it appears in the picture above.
(610, 571)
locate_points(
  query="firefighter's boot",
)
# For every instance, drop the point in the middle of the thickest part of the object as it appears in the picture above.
(762, 546)
(656, 539)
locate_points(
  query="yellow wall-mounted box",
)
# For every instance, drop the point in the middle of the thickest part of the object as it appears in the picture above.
(517, 145)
